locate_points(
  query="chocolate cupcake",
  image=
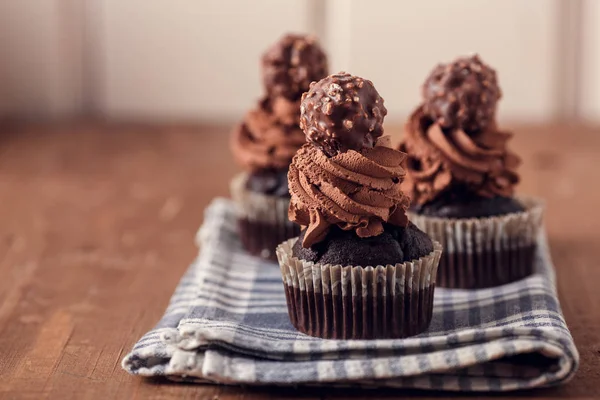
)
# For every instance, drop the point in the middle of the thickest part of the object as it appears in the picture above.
(267, 139)
(359, 269)
(461, 179)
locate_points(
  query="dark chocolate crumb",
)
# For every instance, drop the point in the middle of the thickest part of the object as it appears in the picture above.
(394, 245)
(269, 182)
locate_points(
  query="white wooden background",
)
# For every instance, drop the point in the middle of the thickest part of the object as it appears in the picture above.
(198, 60)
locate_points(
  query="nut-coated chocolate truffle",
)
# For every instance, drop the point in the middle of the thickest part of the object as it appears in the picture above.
(291, 64)
(342, 112)
(462, 94)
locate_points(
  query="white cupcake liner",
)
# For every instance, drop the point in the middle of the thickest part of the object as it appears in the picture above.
(355, 302)
(485, 252)
(263, 219)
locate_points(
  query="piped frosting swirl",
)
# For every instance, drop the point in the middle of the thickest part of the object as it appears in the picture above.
(269, 136)
(439, 158)
(452, 140)
(355, 190)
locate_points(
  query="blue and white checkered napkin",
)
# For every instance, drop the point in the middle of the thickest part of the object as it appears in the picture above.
(227, 323)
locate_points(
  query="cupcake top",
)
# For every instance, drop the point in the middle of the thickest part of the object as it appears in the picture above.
(269, 135)
(462, 94)
(347, 174)
(291, 64)
(342, 112)
(452, 139)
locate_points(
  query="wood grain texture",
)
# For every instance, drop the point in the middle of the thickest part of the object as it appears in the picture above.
(97, 217)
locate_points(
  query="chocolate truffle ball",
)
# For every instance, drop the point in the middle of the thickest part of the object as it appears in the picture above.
(342, 112)
(462, 94)
(291, 64)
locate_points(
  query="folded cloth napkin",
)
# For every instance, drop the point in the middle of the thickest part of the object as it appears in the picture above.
(227, 323)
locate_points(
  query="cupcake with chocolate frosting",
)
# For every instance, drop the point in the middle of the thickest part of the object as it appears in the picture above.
(359, 269)
(461, 178)
(267, 139)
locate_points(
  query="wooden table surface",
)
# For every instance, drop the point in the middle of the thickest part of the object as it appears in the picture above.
(97, 227)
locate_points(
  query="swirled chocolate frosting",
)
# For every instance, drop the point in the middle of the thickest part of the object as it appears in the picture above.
(269, 135)
(357, 186)
(353, 190)
(452, 138)
(438, 159)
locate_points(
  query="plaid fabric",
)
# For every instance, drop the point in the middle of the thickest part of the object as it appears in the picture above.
(227, 323)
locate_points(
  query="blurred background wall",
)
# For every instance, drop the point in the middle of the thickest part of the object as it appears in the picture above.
(195, 60)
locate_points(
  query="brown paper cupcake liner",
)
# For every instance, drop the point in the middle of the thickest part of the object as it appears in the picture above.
(353, 302)
(262, 219)
(485, 252)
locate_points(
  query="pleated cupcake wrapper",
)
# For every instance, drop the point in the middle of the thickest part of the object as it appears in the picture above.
(485, 252)
(353, 302)
(263, 219)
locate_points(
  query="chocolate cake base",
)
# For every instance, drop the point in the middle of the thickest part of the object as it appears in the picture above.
(355, 302)
(261, 238)
(263, 218)
(356, 317)
(269, 182)
(370, 307)
(485, 252)
(485, 269)
(461, 203)
(395, 245)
